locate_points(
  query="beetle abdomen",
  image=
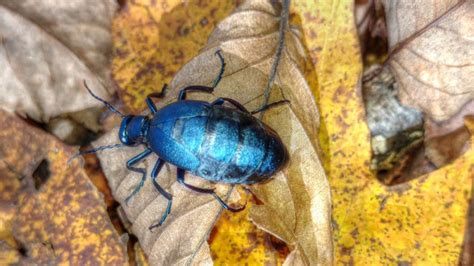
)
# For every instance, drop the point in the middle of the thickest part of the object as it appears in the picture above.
(227, 145)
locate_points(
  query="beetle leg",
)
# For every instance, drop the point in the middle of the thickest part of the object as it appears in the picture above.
(269, 106)
(149, 101)
(235, 103)
(154, 174)
(182, 93)
(221, 71)
(130, 164)
(205, 191)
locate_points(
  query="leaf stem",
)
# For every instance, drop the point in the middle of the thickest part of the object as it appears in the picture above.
(281, 43)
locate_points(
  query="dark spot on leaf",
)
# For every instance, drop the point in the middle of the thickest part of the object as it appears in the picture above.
(41, 174)
(122, 3)
(400, 189)
(355, 233)
(279, 245)
(183, 31)
(252, 236)
(346, 251)
(403, 263)
(447, 205)
(23, 250)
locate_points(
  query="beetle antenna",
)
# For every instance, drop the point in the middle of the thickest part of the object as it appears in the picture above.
(100, 148)
(108, 105)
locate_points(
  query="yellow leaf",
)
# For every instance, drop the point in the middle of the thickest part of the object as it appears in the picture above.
(152, 40)
(421, 221)
(235, 239)
(59, 215)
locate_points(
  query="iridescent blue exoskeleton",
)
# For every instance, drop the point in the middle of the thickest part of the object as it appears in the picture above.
(210, 140)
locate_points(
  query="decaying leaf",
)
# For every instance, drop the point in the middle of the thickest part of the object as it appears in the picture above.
(248, 39)
(447, 140)
(435, 69)
(418, 222)
(47, 49)
(59, 216)
(10, 191)
(433, 62)
(182, 238)
(444, 149)
(152, 41)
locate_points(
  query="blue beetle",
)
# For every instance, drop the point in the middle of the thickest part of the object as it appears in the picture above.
(210, 140)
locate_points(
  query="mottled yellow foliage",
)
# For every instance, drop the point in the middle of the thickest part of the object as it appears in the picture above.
(235, 239)
(421, 221)
(59, 219)
(153, 39)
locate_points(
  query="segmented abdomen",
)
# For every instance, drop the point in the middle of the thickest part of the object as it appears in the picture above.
(227, 145)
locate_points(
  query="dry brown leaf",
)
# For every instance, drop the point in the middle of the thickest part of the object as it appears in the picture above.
(55, 214)
(297, 202)
(248, 39)
(294, 259)
(447, 140)
(435, 68)
(182, 238)
(47, 49)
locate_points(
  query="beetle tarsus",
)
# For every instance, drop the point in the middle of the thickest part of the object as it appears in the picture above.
(159, 95)
(154, 174)
(180, 179)
(130, 163)
(235, 103)
(269, 106)
(221, 71)
(183, 92)
(163, 218)
(226, 206)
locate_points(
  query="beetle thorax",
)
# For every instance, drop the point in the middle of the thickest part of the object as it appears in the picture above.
(133, 130)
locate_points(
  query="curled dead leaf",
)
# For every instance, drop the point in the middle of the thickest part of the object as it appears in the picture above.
(47, 49)
(433, 58)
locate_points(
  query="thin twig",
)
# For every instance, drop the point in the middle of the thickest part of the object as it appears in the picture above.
(281, 43)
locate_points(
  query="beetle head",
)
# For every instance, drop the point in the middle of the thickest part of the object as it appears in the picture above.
(133, 130)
